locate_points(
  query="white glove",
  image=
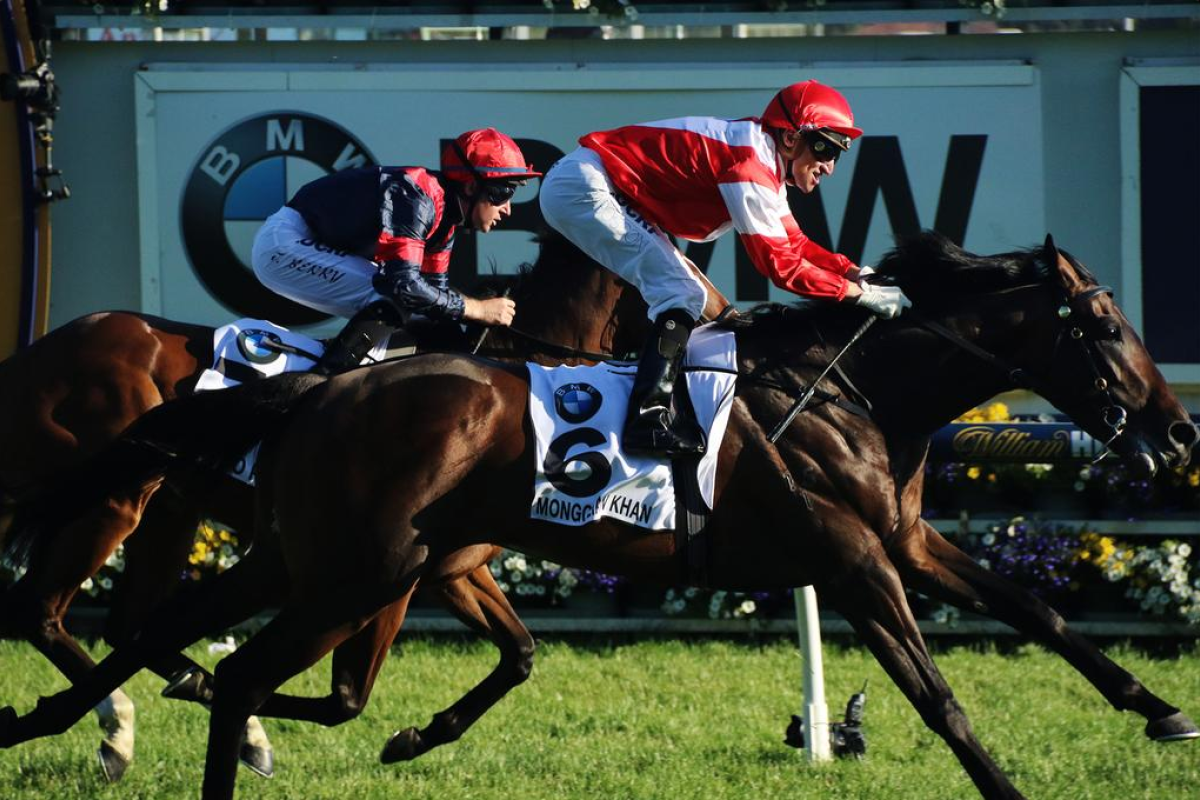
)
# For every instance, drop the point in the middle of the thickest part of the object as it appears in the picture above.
(864, 271)
(886, 301)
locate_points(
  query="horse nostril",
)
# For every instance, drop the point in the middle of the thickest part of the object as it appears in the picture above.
(1184, 434)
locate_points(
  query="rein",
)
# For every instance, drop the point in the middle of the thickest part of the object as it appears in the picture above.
(1113, 414)
(561, 351)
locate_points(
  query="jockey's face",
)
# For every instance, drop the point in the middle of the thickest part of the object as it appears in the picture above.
(486, 215)
(807, 171)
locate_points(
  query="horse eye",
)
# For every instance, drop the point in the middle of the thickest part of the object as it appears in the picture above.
(1112, 332)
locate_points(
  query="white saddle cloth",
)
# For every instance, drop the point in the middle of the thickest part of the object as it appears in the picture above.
(577, 415)
(242, 349)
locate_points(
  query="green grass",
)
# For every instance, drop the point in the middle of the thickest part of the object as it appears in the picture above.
(650, 719)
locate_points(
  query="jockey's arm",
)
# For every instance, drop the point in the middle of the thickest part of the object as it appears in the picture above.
(402, 281)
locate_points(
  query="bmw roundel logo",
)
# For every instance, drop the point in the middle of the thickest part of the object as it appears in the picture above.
(244, 176)
(577, 402)
(250, 345)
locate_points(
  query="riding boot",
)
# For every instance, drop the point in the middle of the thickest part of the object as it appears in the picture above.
(370, 325)
(651, 429)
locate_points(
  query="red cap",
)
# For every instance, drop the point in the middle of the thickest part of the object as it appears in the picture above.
(491, 156)
(809, 105)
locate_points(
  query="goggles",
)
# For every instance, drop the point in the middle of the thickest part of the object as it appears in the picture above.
(825, 145)
(498, 192)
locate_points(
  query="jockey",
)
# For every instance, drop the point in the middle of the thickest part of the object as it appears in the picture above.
(374, 243)
(619, 196)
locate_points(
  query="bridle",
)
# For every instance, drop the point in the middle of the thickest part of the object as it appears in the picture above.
(1112, 414)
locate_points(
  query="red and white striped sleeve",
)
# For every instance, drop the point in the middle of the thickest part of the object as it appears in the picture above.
(757, 205)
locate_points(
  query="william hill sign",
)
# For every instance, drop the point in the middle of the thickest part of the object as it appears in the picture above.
(1031, 442)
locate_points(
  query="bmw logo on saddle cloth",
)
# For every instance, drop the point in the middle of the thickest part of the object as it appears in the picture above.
(577, 402)
(250, 345)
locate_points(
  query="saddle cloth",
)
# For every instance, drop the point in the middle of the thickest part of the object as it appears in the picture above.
(243, 351)
(577, 414)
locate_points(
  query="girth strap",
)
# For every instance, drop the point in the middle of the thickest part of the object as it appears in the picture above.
(691, 522)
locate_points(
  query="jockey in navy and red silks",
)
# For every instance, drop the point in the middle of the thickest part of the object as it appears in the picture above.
(381, 237)
(623, 191)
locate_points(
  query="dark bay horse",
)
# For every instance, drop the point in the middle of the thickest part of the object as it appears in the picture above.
(74, 391)
(415, 462)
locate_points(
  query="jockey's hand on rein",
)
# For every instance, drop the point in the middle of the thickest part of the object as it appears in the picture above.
(886, 301)
(493, 311)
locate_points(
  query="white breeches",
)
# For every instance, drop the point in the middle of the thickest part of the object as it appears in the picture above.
(579, 201)
(289, 261)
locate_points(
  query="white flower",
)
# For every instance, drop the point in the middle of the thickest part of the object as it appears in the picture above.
(989, 539)
(116, 559)
(88, 586)
(746, 608)
(1184, 549)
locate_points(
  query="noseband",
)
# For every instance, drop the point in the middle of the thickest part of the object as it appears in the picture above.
(1111, 413)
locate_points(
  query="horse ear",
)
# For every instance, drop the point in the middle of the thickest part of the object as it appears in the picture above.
(1057, 265)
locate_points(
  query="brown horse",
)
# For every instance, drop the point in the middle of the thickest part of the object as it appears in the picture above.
(411, 462)
(74, 391)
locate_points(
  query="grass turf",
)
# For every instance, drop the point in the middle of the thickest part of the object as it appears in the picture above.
(645, 719)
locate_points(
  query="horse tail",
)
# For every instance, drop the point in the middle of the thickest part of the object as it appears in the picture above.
(207, 431)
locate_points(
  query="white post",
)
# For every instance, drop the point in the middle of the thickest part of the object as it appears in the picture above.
(816, 713)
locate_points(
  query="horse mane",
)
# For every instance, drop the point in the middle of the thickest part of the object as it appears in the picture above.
(555, 270)
(932, 271)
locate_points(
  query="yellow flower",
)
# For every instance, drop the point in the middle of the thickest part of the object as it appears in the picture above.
(996, 412)
(1193, 478)
(974, 472)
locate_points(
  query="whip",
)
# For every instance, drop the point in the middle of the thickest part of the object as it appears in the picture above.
(804, 399)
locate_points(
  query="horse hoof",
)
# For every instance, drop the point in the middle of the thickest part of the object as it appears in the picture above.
(112, 763)
(259, 760)
(404, 745)
(188, 684)
(1174, 728)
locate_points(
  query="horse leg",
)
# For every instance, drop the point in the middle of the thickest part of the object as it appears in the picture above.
(228, 598)
(36, 604)
(477, 601)
(932, 565)
(299, 636)
(154, 556)
(872, 599)
(356, 664)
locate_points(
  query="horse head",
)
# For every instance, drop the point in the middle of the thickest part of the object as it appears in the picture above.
(1034, 319)
(1126, 400)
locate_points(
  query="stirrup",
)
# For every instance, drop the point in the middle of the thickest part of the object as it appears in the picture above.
(350, 346)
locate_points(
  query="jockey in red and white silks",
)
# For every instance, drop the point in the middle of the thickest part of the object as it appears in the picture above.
(620, 194)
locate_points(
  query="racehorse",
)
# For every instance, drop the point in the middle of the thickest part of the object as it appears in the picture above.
(75, 390)
(415, 461)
